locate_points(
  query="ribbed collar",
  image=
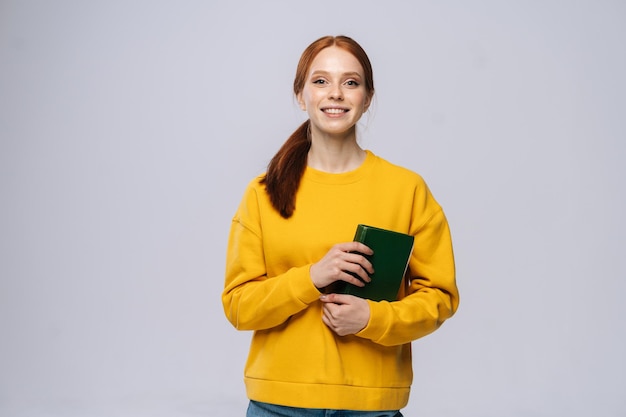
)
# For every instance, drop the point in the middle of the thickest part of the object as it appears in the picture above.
(312, 174)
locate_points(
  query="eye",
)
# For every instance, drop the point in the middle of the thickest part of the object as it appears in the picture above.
(352, 83)
(319, 81)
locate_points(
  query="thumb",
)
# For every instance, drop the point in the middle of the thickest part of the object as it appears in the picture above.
(336, 298)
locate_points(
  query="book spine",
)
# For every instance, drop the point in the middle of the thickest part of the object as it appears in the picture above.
(361, 231)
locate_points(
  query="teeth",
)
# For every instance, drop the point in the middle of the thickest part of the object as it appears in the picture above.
(334, 111)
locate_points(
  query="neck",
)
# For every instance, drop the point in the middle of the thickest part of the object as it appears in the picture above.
(335, 154)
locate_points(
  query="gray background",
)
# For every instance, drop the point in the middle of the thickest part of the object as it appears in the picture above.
(130, 128)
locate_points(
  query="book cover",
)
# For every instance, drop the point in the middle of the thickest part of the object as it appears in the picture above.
(390, 260)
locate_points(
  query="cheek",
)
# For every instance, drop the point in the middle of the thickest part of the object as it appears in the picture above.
(308, 100)
(361, 99)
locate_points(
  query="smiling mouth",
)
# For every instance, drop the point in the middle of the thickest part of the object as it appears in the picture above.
(335, 111)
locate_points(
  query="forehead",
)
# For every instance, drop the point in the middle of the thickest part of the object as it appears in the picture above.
(335, 60)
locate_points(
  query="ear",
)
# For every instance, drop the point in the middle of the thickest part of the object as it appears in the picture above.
(368, 101)
(301, 102)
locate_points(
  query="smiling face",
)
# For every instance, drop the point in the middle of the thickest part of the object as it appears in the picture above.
(334, 93)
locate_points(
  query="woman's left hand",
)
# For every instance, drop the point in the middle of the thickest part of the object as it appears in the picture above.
(345, 314)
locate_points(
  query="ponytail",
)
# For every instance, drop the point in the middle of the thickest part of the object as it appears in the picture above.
(285, 171)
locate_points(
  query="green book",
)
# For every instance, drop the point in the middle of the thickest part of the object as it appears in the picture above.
(390, 260)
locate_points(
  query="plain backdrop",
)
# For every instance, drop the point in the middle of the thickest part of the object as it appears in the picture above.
(129, 129)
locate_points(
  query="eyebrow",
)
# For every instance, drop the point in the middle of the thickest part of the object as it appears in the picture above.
(345, 74)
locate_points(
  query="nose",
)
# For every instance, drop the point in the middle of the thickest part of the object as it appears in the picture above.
(336, 93)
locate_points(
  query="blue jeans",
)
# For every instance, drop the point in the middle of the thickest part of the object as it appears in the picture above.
(258, 409)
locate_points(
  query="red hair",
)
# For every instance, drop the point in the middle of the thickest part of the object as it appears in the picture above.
(286, 168)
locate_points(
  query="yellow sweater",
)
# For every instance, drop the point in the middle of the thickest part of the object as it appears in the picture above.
(294, 359)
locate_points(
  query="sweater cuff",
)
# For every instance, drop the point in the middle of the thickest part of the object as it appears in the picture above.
(302, 286)
(377, 324)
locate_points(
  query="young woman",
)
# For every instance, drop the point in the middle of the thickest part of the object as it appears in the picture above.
(312, 352)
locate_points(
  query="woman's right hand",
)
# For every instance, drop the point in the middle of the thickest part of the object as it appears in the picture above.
(338, 261)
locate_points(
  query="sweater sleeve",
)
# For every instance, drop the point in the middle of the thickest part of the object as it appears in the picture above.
(432, 295)
(251, 299)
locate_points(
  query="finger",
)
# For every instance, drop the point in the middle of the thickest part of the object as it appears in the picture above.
(327, 322)
(333, 328)
(360, 260)
(331, 313)
(328, 318)
(336, 299)
(355, 247)
(354, 273)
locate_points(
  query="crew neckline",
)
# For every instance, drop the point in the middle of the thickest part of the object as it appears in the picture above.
(347, 177)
